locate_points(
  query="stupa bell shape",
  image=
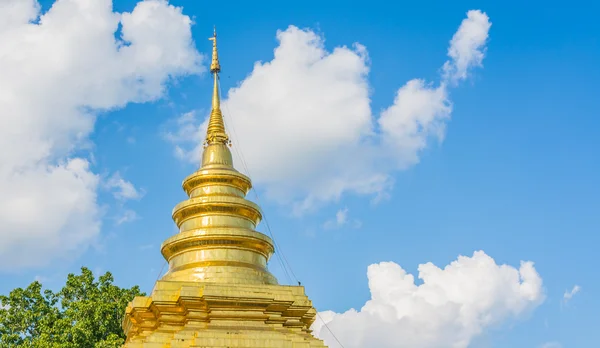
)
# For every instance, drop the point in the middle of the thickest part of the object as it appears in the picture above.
(218, 291)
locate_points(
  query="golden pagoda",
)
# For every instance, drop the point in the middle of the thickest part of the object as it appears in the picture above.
(218, 291)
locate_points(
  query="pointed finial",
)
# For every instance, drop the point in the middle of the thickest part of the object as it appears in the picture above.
(216, 127)
(215, 67)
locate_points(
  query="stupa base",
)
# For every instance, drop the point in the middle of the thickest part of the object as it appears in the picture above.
(202, 315)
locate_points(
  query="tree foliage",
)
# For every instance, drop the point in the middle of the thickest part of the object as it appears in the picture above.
(85, 313)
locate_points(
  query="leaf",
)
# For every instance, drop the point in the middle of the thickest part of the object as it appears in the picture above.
(86, 312)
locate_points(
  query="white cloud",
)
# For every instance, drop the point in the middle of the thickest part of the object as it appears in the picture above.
(55, 74)
(186, 131)
(419, 112)
(40, 279)
(551, 345)
(341, 219)
(127, 216)
(305, 126)
(569, 294)
(467, 47)
(122, 189)
(452, 306)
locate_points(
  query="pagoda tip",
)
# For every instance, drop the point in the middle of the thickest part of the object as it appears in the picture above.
(215, 67)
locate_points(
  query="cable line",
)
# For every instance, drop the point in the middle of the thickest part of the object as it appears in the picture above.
(283, 260)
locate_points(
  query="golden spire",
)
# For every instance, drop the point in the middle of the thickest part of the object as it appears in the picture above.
(217, 239)
(218, 290)
(215, 133)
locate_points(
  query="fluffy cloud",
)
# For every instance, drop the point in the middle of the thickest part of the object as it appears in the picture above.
(467, 46)
(341, 219)
(310, 109)
(57, 70)
(568, 295)
(451, 306)
(551, 345)
(127, 216)
(419, 112)
(122, 189)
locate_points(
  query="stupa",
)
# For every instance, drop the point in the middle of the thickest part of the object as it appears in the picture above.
(218, 291)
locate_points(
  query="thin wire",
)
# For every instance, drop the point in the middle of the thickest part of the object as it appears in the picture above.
(159, 274)
(281, 253)
(329, 329)
(238, 150)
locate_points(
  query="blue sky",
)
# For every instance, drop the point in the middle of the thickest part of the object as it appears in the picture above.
(516, 174)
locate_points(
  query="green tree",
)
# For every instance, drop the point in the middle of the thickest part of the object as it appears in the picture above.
(85, 313)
